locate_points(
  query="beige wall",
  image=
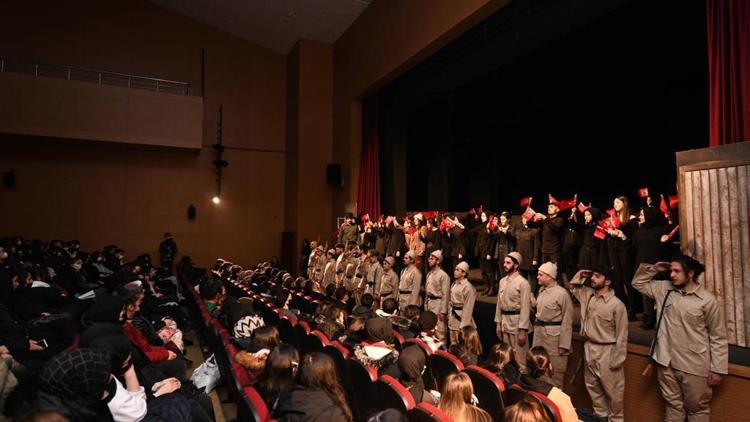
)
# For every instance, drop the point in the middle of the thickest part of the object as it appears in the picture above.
(106, 194)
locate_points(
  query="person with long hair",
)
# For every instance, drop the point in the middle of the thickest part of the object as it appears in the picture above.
(540, 370)
(253, 358)
(278, 375)
(501, 361)
(529, 409)
(650, 248)
(588, 256)
(412, 363)
(621, 254)
(318, 395)
(456, 400)
(469, 346)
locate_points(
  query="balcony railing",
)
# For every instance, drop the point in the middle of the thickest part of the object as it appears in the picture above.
(100, 77)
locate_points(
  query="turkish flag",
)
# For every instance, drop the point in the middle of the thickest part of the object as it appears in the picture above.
(567, 204)
(600, 233)
(365, 218)
(664, 207)
(529, 214)
(429, 214)
(674, 201)
(582, 208)
(552, 199)
(526, 202)
(643, 192)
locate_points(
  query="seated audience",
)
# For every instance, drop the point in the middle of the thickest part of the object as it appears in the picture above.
(278, 375)
(469, 346)
(456, 400)
(378, 349)
(412, 363)
(428, 322)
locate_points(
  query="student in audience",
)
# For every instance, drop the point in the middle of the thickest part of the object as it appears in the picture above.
(528, 409)
(78, 384)
(278, 375)
(539, 366)
(428, 323)
(469, 346)
(388, 415)
(281, 301)
(318, 396)
(456, 400)
(412, 363)
(333, 325)
(378, 350)
(389, 308)
(253, 357)
(501, 361)
(213, 296)
(364, 309)
(36, 297)
(409, 326)
(355, 333)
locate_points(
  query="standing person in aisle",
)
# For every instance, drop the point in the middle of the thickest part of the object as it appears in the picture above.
(553, 327)
(437, 292)
(514, 308)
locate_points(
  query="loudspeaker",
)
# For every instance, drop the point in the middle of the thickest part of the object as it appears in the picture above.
(191, 212)
(333, 175)
(9, 179)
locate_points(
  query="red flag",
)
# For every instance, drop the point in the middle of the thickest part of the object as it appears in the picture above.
(472, 211)
(611, 212)
(529, 214)
(674, 201)
(365, 218)
(567, 204)
(526, 202)
(599, 232)
(480, 210)
(429, 214)
(552, 199)
(643, 192)
(664, 207)
(582, 208)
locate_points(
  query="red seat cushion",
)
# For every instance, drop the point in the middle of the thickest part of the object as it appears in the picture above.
(425, 412)
(392, 394)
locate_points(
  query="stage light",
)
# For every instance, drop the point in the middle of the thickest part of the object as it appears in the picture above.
(216, 199)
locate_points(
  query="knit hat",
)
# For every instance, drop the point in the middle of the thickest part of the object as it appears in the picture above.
(246, 325)
(516, 257)
(390, 260)
(410, 254)
(549, 268)
(438, 254)
(463, 266)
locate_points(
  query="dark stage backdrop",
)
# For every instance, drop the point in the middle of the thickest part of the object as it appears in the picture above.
(599, 110)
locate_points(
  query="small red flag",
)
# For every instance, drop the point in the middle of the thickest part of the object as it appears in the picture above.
(552, 199)
(365, 218)
(526, 202)
(529, 214)
(582, 208)
(480, 210)
(567, 204)
(643, 192)
(674, 201)
(599, 232)
(429, 214)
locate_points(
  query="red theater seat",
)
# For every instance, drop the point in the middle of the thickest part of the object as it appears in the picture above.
(251, 406)
(425, 412)
(444, 364)
(391, 394)
(362, 384)
(489, 389)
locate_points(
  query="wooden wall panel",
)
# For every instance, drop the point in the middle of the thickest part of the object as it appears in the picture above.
(714, 186)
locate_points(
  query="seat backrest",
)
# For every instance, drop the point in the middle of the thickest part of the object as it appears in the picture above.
(315, 341)
(391, 394)
(362, 380)
(251, 407)
(398, 340)
(425, 412)
(514, 393)
(417, 342)
(489, 390)
(301, 330)
(444, 364)
(551, 408)
(428, 377)
(241, 376)
(286, 330)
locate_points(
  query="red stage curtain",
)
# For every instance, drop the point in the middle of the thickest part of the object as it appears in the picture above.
(728, 70)
(368, 197)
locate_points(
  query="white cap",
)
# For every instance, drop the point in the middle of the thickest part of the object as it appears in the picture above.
(463, 266)
(437, 254)
(516, 256)
(549, 268)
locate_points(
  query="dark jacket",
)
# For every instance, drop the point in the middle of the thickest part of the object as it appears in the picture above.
(528, 244)
(431, 242)
(302, 404)
(485, 242)
(552, 232)
(505, 243)
(396, 242)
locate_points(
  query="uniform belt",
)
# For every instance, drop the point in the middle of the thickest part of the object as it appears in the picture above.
(601, 343)
(386, 293)
(433, 297)
(454, 311)
(370, 283)
(547, 323)
(516, 312)
(339, 271)
(404, 292)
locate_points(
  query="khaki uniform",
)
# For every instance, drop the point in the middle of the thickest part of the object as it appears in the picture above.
(353, 277)
(329, 274)
(408, 287)
(463, 296)
(690, 343)
(438, 292)
(513, 311)
(374, 274)
(320, 265)
(554, 328)
(388, 285)
(604, 325)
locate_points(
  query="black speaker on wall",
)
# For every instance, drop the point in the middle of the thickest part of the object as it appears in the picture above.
(191, 212)
(9, 179)
(333, 175)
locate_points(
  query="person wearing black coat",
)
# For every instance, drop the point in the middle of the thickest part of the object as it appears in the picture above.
(621, 255)
(552, 232)
(396, 246)
(431, 239)
(167, 251)
(588, 256)
(571, 245)
(484, 250)
(529, 245)
(650, 248)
